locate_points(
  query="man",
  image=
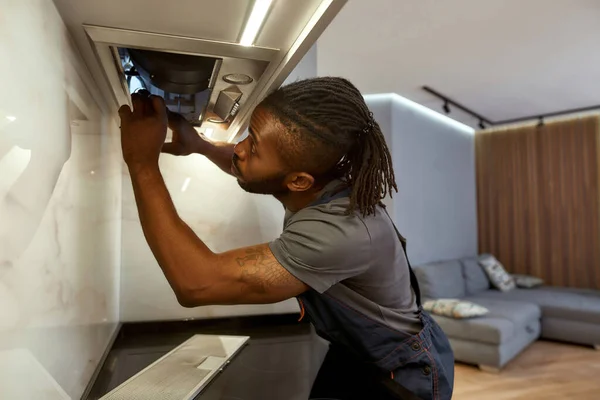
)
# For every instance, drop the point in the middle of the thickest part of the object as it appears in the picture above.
(315, 146)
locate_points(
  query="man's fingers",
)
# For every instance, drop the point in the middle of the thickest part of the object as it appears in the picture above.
(160, 107)
(144, 106)
(124, 112)
(171, 148)
(138, 104)
(173, 115)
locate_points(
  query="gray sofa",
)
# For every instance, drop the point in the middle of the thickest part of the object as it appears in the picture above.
(515, 319)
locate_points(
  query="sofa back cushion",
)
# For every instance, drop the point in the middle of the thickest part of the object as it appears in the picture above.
(475, 277)
(496, 273)
(441, 280)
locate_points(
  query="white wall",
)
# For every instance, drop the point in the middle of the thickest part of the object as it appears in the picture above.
(434, 162)
(306, 68)
(60, 209)
(220, 213)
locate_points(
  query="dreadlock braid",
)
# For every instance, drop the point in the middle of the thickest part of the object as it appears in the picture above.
(329, 128)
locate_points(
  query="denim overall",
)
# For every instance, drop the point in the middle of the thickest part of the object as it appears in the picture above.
(413, 366)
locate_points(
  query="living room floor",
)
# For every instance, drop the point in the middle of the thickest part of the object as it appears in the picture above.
(545, 370)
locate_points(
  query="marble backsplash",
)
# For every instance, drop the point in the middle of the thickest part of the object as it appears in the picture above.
(60, 210)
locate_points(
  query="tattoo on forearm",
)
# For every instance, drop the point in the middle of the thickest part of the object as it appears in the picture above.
(261, 270)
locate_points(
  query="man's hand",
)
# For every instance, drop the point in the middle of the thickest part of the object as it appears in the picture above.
(143, 130)
(186, 140)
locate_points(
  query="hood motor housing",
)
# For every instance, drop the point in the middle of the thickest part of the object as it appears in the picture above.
(173, 73)
(183, 80)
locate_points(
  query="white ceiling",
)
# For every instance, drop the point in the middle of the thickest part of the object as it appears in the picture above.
(502, 58)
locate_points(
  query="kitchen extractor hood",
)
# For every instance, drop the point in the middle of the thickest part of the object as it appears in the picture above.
(188, 82)
(214, 84)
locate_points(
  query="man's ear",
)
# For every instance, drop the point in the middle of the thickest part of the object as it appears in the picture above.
(300, 182)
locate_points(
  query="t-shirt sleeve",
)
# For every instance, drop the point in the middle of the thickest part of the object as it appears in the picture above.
(321, 249)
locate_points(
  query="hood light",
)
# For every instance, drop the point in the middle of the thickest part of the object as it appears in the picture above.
(237, 79)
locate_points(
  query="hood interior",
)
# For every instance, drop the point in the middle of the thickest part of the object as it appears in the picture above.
(187, 82)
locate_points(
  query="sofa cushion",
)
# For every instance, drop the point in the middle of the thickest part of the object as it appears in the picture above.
(441, 280)
(505, 321)
(559, 303)
(497, 274)
(475, 278)
(527, 281)
(454, 308)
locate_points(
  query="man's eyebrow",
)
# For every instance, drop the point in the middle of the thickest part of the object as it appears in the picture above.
(253, 134)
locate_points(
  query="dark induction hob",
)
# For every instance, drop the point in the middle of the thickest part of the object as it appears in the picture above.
(279, 363)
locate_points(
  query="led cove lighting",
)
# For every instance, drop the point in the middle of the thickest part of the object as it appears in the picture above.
(421, 109)
(257, 17)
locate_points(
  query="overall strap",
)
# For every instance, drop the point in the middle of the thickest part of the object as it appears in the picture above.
(326, 199)
(413, 278)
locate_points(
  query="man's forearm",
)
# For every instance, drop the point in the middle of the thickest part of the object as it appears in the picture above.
(183, 257)
(220, 154)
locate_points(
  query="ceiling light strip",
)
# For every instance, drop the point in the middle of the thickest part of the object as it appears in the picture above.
(257, 17)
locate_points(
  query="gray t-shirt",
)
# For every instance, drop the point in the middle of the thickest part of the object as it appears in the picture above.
(359, 261)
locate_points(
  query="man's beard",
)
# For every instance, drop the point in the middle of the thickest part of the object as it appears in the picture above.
(274, 186)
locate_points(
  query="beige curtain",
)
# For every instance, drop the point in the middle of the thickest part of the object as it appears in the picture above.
(539, 201)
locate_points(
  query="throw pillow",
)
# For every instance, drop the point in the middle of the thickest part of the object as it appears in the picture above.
(497, 274)
(527, 281)
(454, 308)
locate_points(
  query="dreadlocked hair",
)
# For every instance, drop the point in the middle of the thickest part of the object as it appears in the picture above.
(330, 132)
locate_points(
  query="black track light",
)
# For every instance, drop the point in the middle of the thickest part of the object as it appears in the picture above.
(481, 125)
(446, 107)
(541, 122)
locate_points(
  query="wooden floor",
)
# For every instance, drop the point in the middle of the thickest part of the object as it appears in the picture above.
(544, 371)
